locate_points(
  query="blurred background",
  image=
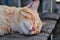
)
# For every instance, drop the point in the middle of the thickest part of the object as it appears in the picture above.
(46, 6)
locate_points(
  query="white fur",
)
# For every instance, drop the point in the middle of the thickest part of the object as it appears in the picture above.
(25, 27)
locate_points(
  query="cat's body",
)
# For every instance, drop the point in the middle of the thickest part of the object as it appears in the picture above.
(23, 20)
(18, 19)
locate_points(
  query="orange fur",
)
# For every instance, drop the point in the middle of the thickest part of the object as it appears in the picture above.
(13, 15)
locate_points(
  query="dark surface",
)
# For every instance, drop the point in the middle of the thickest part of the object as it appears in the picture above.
(50, 25)
(50, 16)
(56, 37)
(56, 32)
(16, 36)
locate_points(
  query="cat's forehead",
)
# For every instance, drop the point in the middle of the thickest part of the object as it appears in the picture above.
(28, 10)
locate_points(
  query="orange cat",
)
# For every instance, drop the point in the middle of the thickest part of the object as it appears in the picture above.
(24, 20)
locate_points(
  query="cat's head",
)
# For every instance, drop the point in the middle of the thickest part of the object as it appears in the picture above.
(31, 21)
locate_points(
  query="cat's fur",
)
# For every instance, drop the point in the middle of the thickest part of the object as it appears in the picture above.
(23, 20)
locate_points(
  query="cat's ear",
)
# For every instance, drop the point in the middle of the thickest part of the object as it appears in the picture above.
(34, 4)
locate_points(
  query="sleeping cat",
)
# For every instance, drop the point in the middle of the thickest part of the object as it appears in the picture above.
(24, 20)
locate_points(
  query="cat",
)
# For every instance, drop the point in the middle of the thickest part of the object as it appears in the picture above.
(24, 20)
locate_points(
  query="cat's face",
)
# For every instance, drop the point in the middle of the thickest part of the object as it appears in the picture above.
(30, 22)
